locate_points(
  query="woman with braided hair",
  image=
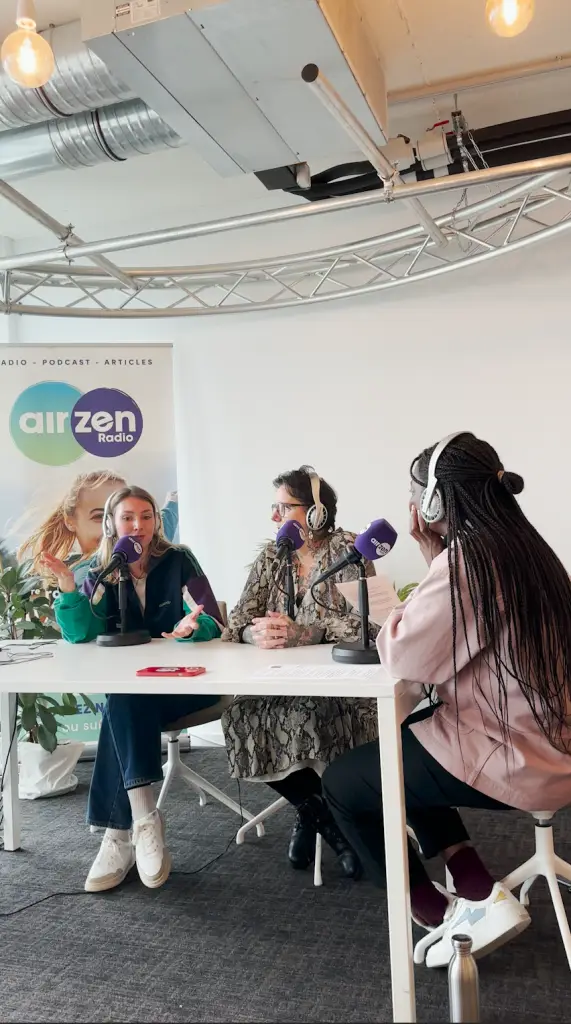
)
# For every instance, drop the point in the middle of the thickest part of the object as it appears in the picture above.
(490, 629)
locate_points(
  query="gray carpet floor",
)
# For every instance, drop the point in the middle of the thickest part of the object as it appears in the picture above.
(245, 939)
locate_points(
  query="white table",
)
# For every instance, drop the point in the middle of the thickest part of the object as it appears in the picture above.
(237, 670)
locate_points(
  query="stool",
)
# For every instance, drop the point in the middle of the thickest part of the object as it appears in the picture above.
(546, 863)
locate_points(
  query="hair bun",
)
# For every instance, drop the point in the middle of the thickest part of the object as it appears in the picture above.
(513, 482)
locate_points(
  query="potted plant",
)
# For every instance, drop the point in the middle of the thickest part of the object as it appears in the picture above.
(46, 767)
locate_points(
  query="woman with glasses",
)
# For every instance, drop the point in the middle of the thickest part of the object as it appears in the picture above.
(288, 741)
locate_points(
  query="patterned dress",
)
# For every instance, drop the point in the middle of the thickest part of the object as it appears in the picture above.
(267, 737)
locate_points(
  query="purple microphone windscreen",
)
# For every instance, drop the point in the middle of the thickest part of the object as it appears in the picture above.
(129, 548)
(377, 540)
(291, 534)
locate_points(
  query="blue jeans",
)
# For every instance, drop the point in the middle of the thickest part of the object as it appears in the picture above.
(129, 750)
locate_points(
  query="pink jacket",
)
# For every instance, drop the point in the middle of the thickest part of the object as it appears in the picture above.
(463, 735)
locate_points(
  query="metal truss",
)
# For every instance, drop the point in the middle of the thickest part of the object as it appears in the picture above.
(535, 209)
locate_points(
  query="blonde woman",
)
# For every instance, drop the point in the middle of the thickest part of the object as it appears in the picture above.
(72, 532)
(169, 595)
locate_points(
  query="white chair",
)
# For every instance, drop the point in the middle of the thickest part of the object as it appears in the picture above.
(257, 822)
(176, 768)
(544, 862)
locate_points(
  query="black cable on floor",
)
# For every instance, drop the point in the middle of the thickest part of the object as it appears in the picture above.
(82, 892)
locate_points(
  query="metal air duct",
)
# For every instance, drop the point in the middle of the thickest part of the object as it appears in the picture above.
(81, 82)
(84, 140)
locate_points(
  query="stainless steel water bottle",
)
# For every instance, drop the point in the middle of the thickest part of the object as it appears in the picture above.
(463, 986)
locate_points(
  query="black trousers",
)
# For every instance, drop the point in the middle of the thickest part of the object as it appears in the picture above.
(352, 787)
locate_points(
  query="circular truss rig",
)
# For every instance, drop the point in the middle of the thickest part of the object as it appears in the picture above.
(535, 209)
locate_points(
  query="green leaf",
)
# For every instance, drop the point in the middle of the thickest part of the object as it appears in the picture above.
(88, 702)
(46, 739)
(48, 700)
(28, 699)
(9, 578)
(63, 709)
(47, 719)
(29, 719)
(406, 591)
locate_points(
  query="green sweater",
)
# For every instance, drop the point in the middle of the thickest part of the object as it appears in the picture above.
(79, 624)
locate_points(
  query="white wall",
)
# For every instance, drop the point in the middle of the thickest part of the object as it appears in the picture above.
(359, 388)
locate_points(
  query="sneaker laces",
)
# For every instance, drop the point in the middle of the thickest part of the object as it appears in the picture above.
(148, 835)
(110, 850)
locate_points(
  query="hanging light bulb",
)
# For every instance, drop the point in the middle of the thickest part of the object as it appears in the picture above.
(509, 17)
(27, 57)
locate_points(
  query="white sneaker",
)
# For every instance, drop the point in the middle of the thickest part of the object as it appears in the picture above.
(153, 858)
(115, 859)
(489, 923)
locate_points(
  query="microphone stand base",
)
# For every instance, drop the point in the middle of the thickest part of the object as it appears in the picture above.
(138, 636)
(356, 654)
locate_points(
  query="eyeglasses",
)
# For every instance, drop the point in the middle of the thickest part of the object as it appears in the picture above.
(282, 507)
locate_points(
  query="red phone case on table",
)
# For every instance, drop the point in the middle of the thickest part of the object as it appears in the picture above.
(174, 670)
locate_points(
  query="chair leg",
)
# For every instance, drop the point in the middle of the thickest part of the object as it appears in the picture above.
(258, 819)
(175, 767)
(563, 869)
(170, 770)
(525, 875)
(199, 783)
(317, 876)
(560, 914)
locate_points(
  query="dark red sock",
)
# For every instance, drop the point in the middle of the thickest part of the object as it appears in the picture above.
(428, 905)
(472, 880)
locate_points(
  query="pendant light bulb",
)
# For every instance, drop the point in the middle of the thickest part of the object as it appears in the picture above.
(509, 17)
(27, 58)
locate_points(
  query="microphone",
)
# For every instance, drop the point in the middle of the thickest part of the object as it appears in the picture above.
(290, 537)
(374, 542)
(126, 550)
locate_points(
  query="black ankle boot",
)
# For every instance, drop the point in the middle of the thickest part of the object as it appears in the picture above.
(301, 850)
(327, 827)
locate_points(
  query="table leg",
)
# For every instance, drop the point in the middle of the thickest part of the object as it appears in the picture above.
(11, 805)
(396, 853)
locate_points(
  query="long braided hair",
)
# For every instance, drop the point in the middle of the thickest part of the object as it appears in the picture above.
(519, 590)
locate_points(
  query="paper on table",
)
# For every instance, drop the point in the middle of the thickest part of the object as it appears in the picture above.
(278, 672)
(382, 597)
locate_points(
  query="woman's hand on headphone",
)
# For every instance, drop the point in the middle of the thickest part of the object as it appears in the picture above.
(429, 542)
(60, 570)
(186, 626)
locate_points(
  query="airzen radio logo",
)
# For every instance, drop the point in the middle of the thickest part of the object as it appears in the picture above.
(54, 423)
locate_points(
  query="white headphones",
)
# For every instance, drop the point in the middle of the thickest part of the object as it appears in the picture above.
(317, 515)
(108, 524)
(432, 501)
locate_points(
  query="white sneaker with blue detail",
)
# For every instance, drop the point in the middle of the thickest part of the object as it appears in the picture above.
(488, 923)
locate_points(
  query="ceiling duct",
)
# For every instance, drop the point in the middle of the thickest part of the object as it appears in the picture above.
(81, 81)
(84, 140)
(225, 74)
